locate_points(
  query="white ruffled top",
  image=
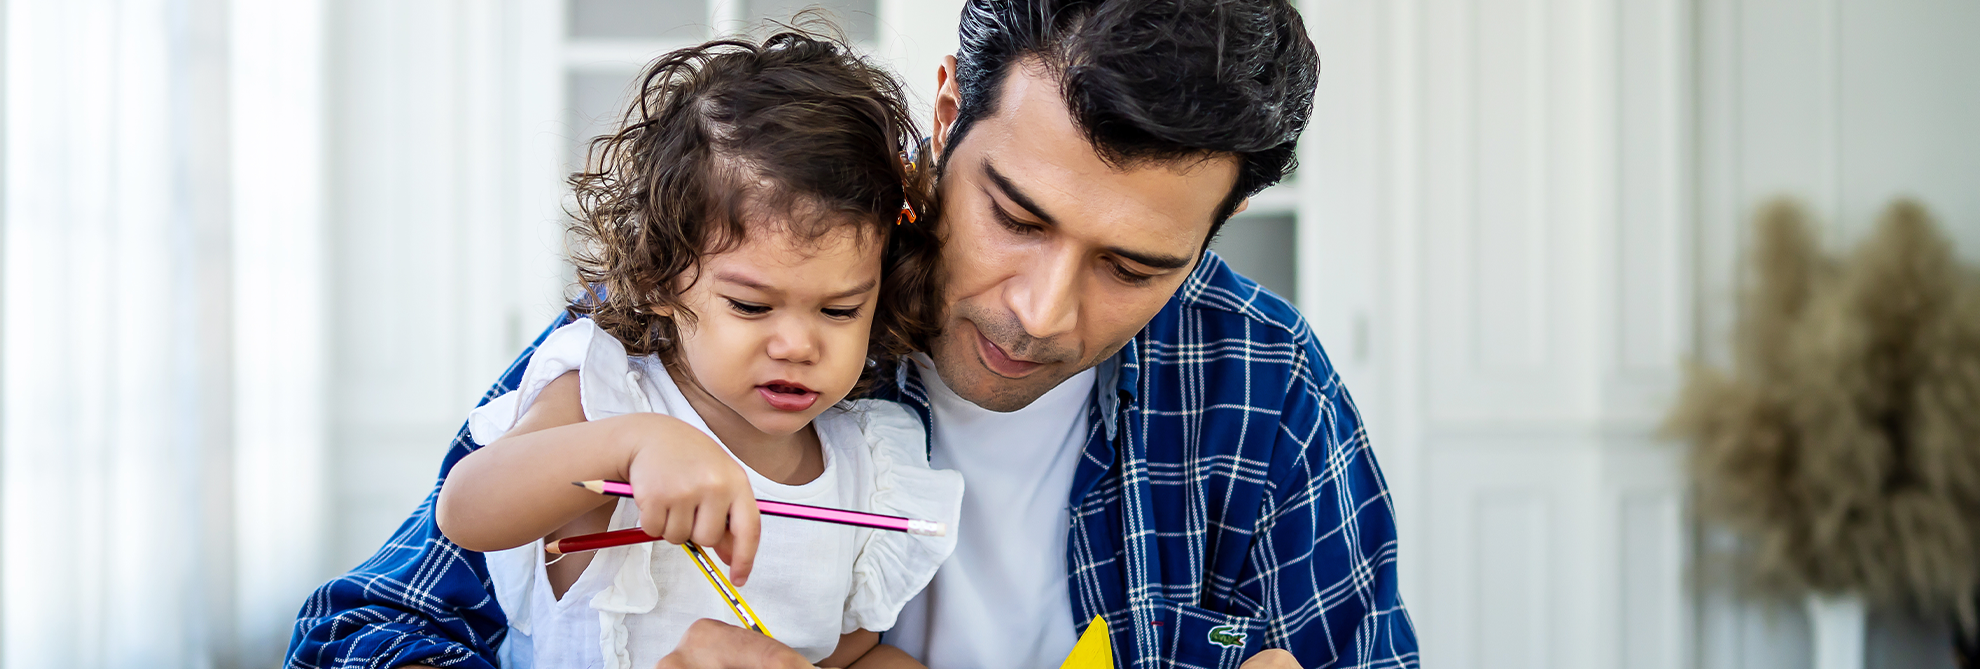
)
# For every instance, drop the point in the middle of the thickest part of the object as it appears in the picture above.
(812, 581)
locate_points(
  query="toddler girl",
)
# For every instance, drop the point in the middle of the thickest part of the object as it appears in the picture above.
(746, 245)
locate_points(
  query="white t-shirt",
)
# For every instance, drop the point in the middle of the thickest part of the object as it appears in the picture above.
(813, 581)
(1001, 601)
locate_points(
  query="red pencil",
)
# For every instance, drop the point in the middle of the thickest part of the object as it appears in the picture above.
(592, 542)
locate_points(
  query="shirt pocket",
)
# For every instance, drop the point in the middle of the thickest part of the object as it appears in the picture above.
(1191, 637)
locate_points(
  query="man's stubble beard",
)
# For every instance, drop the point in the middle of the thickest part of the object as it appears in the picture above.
(955, 356)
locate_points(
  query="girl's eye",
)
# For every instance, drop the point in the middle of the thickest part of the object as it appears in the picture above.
(843, 314)
(746, 308)
(1131, 277)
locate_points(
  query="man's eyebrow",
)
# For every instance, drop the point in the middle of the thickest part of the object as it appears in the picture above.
(1153, 260)
(1164, 262)
(1011, 191)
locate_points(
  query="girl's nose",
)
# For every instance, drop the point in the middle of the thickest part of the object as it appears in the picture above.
(794, 342)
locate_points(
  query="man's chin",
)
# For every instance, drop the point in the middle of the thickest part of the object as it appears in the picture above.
(971, 380)
(999, 394)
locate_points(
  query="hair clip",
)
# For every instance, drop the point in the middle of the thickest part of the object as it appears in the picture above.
(907, 209)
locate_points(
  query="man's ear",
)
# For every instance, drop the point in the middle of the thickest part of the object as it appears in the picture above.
(1242, 205)
(947, 105)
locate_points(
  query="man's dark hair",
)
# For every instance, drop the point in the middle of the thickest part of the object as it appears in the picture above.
(1154, 80)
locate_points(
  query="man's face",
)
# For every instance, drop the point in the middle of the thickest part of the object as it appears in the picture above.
(1055, 258)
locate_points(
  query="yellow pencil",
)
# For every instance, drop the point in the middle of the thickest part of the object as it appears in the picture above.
(727, 590)
(720, 582)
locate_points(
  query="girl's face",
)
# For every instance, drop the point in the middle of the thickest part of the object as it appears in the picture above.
(781, 327)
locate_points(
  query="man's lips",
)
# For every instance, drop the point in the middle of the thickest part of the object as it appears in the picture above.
(787, 395)
(1001, 363)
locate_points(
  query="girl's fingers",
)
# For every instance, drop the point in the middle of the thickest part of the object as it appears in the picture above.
(744, 528)
(680, 525)
(711, 523)
(653, 520)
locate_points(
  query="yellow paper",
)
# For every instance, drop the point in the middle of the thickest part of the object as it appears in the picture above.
(1095, 649)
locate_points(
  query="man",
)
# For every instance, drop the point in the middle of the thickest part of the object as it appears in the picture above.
(1147, 436)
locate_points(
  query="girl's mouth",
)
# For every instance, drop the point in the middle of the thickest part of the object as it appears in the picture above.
(787, 395)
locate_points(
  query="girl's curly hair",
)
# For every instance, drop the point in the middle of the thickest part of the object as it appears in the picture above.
(795, 129)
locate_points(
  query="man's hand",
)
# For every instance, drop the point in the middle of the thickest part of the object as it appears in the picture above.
(712, 644)
(1273, 658)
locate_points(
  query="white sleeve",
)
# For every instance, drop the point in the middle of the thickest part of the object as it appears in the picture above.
(894, 566)
(605, 387)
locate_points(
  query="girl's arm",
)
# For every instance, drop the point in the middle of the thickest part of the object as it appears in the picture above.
(884, 656)
(518, 489)
(862, 650)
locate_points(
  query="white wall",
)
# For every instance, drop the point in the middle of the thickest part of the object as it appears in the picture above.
(446, 139)
(1844, 105)
(1466, 207)
(1535, 206)
(164, 352)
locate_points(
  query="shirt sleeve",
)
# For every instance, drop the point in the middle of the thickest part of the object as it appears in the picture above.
(1323, 565)
(894, 566)
(420, 599)
(605, 386)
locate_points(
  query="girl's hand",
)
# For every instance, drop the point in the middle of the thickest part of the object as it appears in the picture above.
(688, 488)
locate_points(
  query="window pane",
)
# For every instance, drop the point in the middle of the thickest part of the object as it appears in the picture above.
(855, 17)
(639, 19)
(597, 100)
(1261, 247)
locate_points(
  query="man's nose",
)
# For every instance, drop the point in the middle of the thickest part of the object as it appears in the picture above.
(1045, 297)
(794, 341)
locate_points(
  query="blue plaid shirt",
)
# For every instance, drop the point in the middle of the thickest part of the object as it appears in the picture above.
(1227, 501)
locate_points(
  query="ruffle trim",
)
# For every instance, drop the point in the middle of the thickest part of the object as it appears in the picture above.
(632, 591)
(893, 567)
(606, 384)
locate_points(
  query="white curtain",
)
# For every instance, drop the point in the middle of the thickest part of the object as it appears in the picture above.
(163, 356)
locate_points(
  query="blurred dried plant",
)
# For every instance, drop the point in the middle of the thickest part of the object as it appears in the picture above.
(1844, 442)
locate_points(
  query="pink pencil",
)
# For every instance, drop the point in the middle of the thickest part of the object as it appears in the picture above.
(876, 521)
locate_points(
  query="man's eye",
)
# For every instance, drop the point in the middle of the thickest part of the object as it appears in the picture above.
(746, 308)
(848, 313)
(1131, 277)
(1010, 222)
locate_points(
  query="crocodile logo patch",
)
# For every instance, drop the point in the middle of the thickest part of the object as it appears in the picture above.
(1227, 636)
